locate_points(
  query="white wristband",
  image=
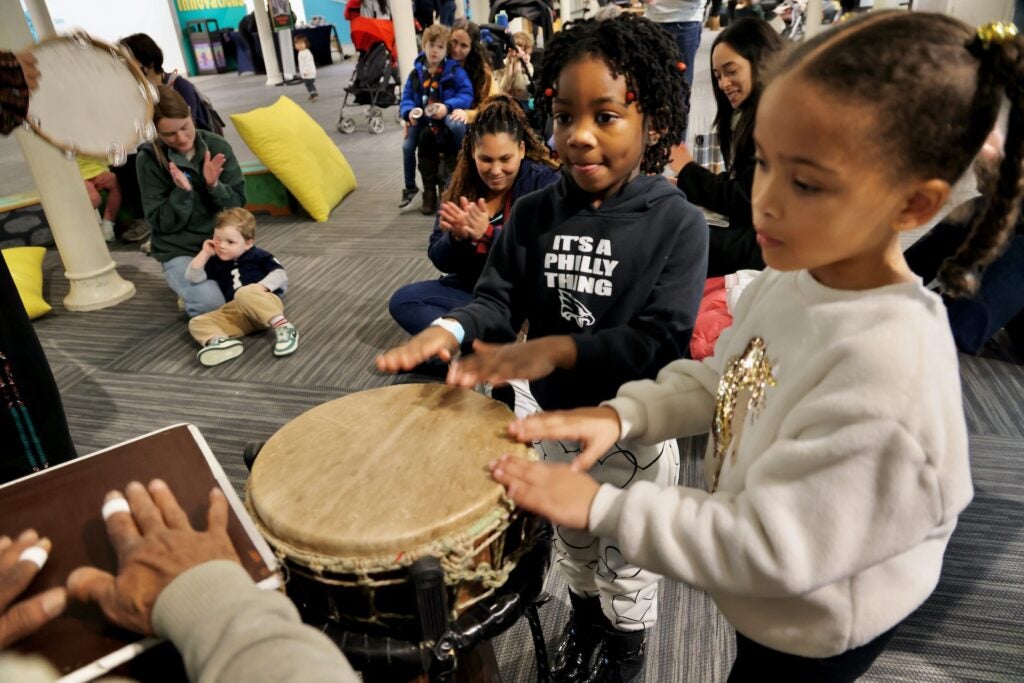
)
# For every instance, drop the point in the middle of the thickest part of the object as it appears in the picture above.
(453, 326)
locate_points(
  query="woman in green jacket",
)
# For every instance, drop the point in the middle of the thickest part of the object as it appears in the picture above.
(186, 177)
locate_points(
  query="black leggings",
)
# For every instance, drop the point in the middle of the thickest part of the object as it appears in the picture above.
(755, 662)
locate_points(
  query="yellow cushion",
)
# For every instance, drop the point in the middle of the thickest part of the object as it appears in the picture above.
(298, 151)
(26, 264)
(90, 168)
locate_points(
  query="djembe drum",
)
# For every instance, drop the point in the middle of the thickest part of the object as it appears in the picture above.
(396, 540)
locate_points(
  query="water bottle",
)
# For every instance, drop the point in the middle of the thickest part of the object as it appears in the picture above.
(502, 19)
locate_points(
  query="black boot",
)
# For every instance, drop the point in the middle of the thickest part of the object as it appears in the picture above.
(429, 162)
(429, 206)
(570, 661)
(622, 658)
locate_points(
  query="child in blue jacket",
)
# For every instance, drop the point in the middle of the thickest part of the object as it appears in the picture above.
(436, 87)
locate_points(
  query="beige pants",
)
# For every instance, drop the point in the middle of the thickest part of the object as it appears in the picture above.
(250, 311)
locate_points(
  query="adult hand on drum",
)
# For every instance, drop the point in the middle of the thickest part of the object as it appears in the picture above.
(28, 62)
(431, 342)
(553, 490)
(499, 363)
(178, 176)
(20, 562)
(155, 543)
(212, 168)
(597, 430)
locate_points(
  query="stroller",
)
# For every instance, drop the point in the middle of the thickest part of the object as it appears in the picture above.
(375, 82)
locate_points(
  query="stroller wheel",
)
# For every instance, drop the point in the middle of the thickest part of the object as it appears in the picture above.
(376, 125)
(347, 125)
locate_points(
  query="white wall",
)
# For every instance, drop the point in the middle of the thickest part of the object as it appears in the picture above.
(971, 12)
(110, 20)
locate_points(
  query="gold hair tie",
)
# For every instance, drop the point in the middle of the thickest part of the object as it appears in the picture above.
(997, 32)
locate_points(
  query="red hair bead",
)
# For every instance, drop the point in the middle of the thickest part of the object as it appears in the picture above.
(549, 92)
(630, 96)
(680, 66)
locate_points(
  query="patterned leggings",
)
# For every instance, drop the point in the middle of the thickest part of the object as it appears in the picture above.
(593, 565)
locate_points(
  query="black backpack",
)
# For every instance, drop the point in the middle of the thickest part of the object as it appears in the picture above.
(370, 82)
(213, 119)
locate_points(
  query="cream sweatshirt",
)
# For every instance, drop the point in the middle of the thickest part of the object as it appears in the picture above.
(838, 491)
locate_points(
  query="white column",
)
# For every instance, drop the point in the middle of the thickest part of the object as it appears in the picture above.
(87, 264)
(565, 11)
(266, 34)
(405, 37)
(284, 39)
(812, 20)
(40, 18)
(480, 9)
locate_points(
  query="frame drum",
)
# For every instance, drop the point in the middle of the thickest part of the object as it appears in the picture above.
(92, 99)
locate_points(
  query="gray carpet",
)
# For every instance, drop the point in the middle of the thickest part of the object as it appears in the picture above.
(131, 369)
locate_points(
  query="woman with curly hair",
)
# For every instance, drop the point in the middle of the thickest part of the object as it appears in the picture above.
(501, 160)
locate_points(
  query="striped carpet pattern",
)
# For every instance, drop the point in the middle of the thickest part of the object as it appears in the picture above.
(131, 369)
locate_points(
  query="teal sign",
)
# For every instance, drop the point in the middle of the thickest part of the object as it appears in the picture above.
(227, 14)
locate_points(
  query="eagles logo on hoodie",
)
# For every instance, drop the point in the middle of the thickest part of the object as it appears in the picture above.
(574, 311)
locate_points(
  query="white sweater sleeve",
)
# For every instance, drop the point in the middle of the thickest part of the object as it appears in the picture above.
(680, 401)
(862, 468)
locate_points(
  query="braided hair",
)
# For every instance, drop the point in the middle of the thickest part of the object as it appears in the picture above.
(644, 54)
(498, 114)
(936, 89)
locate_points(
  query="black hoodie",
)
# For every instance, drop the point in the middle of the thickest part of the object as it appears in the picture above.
(624, 279)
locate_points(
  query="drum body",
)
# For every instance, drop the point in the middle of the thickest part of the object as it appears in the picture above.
(92, 100)
(351, 493)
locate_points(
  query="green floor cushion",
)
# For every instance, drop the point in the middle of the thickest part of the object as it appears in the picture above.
(298, 151)
(26, 266)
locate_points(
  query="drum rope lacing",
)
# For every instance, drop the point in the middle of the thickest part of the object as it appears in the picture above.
(456, 554)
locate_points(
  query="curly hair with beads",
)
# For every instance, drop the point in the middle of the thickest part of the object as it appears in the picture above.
(498, 114)
(645, 55)
(935, 86)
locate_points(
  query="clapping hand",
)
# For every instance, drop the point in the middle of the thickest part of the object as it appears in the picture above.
(179, 177)
(466, 220)
(212, 168)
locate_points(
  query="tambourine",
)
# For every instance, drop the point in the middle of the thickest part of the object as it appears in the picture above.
(92, 99)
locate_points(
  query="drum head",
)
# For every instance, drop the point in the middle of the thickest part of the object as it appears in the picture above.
(91, 100)
(382, 472)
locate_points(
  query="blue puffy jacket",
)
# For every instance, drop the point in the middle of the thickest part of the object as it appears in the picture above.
(456, 88)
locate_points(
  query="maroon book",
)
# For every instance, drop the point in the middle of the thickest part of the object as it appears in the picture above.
(63, 503)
